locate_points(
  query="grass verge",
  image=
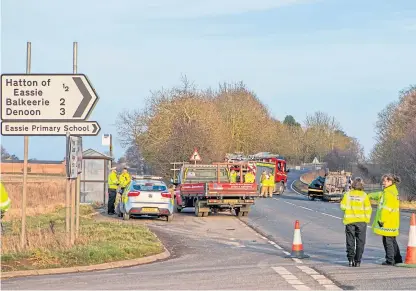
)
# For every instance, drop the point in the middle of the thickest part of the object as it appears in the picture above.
(98, 242)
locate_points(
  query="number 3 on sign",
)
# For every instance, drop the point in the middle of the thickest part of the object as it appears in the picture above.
(62, 100)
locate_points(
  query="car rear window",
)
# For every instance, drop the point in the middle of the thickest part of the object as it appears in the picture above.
(149, 187)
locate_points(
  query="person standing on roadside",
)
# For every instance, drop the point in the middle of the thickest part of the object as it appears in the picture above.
(125, 180)
(357, 214)
(113, 184)
(271, 184)
(264, 180)
(387, 220)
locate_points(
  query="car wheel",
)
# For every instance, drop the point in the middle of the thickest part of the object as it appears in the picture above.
(169, 218)
(126, 216)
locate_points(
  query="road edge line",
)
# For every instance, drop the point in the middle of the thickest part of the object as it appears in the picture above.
(99, 267)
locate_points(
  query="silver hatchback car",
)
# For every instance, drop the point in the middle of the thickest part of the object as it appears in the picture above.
(146, 195)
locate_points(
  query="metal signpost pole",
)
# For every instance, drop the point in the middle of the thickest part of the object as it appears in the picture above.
(26, 153)
(50, 105)
(68, 192)
(78, 181)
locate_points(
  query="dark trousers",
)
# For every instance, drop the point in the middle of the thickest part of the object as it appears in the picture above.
(355, 239)
(391, 247)
(112, 194)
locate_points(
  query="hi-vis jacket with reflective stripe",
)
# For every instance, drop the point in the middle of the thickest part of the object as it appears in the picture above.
(125, 179)
(4, 199)
(387, 211)
(113, 181)
(356, 206)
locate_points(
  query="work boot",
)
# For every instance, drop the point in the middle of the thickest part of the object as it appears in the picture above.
(357, 264)
(351, 263)
(387, 264)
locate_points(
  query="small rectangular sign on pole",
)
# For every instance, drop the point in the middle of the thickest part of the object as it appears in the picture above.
(73, 156)
(106, 139)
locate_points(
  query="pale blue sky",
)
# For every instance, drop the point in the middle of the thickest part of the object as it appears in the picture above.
(346, 57)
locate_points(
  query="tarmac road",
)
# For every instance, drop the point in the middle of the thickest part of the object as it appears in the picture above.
(213, 253)
(221, 252)
(324, 240)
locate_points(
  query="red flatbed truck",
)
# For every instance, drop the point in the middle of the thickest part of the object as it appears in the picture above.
(207, 188)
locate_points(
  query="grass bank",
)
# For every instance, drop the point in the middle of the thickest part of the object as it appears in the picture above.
(98, 242)
(43, 195)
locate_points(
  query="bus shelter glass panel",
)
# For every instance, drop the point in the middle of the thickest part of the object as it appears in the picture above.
(91, 192)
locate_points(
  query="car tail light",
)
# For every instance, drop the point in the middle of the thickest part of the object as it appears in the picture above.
(166, 195)
(133, 193)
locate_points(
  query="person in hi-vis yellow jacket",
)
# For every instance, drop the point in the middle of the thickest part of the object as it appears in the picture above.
(357, 214)
(387, 220)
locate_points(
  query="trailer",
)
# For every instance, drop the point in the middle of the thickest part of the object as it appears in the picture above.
(208, 189)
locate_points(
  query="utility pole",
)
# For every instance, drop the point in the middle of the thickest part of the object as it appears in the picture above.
(26, 153)
(111, 149)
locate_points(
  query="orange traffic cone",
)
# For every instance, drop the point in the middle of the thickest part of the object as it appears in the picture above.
(410, 261)
(297, 246)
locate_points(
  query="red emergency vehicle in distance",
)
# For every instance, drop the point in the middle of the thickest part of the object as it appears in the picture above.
(281, 170)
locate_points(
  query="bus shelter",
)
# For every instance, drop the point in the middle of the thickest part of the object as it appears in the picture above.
(95, 170)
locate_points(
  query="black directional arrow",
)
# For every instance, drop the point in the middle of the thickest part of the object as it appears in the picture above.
(96, 128)
(87, 97)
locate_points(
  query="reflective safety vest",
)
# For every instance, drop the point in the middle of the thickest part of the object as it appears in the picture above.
(233, 177)
(271, 181)
(124, 179)
(388, 212)
(113, 180)
(356, 206)
(264, 180)
(5, 202)
(249, 178)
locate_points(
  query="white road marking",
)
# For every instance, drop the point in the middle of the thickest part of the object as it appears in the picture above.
(321, 279)
(290, 278)
(307, 270)
(301, 287)
(303, 207)
(286, 253)
(297, 260)
(330, 215)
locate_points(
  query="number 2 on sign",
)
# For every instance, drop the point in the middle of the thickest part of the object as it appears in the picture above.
(62, 103)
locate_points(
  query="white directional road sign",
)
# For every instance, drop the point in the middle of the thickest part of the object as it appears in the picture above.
(47, 97)
(45, 128)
